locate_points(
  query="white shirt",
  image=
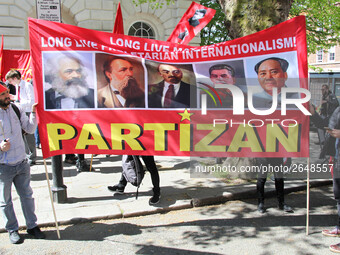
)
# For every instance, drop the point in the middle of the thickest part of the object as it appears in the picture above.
(26, 95)
(166, 87)
(120, 98)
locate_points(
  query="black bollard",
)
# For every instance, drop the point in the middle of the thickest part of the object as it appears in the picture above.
(59, 190)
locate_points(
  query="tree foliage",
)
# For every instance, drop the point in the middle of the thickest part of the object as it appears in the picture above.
(322, 22)
(237, 18)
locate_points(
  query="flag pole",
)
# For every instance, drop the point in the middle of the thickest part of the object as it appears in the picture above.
(91, 163)
(50, 192)
(307, 215)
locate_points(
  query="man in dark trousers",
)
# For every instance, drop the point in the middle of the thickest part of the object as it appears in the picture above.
(152, 168)
(14, 168)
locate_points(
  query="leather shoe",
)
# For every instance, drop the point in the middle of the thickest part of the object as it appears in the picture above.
(261, 208)
(36, 232)
(14, 237)
(155, 199)
(285, 208)
(334, 232)
(116, 188)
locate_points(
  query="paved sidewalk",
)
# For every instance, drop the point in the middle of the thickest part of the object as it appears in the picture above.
(89, 199)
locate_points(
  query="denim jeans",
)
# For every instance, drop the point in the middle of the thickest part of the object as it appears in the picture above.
(19, 175)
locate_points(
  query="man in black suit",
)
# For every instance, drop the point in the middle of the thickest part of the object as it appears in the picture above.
(172, 92)
(69, 87)
(69, 91)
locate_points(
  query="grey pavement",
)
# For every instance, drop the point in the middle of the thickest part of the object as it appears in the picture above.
(89, 198)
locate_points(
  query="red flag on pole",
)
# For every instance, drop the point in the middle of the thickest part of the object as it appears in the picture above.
(194, 19)
(2, 57)
(118, 27)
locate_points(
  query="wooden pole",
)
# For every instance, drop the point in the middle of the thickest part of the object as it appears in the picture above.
(51, 198)
(307, 213)
(91, 163)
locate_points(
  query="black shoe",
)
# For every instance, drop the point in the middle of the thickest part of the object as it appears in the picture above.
(261, 208)
(155, 199)
(285, 208)
(70, 161)
(116, 188)
(82, 166)
(36, 232)
(14, 237)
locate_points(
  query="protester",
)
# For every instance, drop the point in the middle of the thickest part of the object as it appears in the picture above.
(332, 148)
(69, 90)
(171, 92)
(122, 89)
(328, 104)
(14, 167)
(152, 168)
(25, 97)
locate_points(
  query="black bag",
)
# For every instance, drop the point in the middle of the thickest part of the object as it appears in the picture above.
(133, 170)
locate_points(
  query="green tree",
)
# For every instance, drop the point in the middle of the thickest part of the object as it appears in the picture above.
(237, 18)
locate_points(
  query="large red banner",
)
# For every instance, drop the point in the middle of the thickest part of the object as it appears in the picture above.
(101, 93)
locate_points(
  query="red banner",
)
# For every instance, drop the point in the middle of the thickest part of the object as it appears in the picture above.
(193, 21)
(118, 26)
(19, 60)
(100, 93)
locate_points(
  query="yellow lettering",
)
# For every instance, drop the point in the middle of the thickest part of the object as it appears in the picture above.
(119, 137)
(55, 136)
(276, 134)
(205, 143)
(91, 135)
(161, 134)
(239, 140)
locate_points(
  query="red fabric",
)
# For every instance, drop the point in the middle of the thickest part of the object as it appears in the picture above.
(153, 131)
(119, 26)
(3, 88)
(20, 60)
(188, 26)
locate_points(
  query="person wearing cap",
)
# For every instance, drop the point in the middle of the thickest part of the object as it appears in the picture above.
(14, 168)
(271, 73)
(25, 97)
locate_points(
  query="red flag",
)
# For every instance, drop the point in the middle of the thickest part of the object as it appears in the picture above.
(194, 19)
(1, 57)
(19, 60)
(118, 27)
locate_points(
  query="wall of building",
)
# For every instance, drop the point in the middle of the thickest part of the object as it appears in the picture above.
(92, 14)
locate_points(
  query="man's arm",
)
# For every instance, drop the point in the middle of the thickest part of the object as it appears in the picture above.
(28, 124)
(27, 100)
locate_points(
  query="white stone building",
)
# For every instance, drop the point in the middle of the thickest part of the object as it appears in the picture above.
(93, 14)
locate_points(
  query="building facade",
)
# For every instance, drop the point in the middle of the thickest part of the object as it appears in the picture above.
(141, 20)
(328, 72)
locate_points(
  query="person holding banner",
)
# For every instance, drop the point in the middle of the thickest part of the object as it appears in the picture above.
(67, 77)
(271, 73)
(172, 92)
(14, 168)
(122, 89)
(25, 97)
